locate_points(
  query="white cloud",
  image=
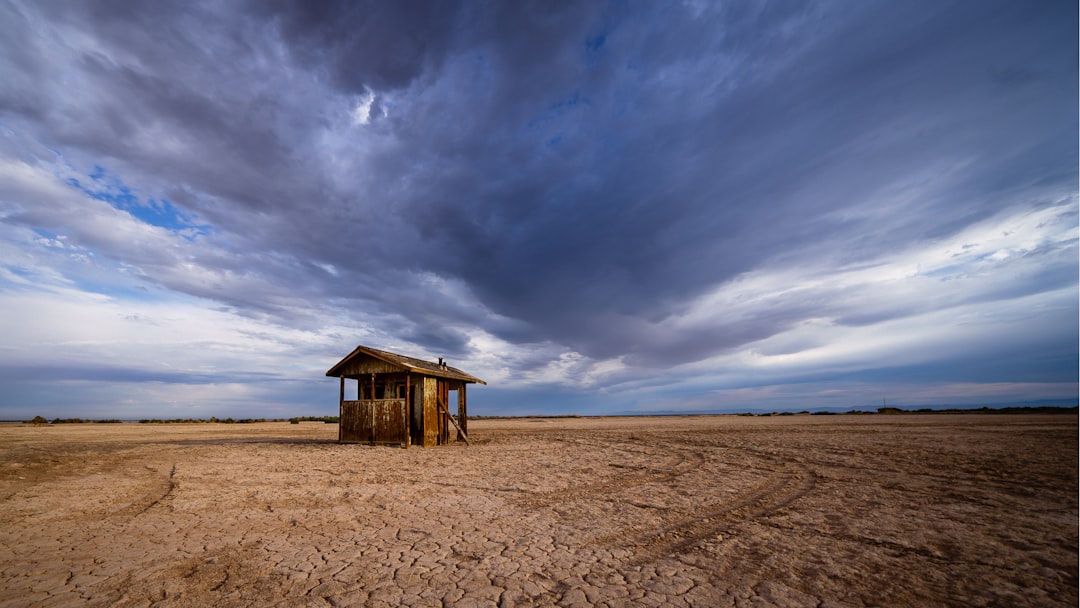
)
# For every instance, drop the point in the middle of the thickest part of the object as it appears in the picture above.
(978, 263)
(361, 114)
(176, 333)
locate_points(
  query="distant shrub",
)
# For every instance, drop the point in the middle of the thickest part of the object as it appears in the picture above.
(230, 420)
(38, 420)
(79, 421)
(326, 419)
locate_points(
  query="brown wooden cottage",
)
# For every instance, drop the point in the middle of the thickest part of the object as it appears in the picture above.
(400, 400)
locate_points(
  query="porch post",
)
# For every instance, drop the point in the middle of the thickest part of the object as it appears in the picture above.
(341, 405)
(463, 418)
(408, 410)
(372, 409)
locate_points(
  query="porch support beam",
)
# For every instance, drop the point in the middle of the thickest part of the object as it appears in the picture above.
(462, 414)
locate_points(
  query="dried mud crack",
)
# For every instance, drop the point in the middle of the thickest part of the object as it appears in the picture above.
(679, 511)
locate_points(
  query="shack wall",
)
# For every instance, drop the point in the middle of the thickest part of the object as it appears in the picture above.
(380, 421)
(367, 366)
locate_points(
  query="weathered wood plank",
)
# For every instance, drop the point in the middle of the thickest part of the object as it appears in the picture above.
(350, 424)
(377, 421)
(431, 412)
(363, 366)
(388, 421)
(408, 410)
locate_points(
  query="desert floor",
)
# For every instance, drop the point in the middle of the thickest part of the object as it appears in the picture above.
(961, 510)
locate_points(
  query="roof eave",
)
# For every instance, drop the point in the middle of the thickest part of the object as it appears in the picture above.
(453, 373)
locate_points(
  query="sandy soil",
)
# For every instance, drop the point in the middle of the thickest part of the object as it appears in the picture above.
(961, 510)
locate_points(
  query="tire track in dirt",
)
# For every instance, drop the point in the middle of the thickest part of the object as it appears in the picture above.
(787, 481)
(679, 462)
(681, 532)
(168, 495)
(779, 491)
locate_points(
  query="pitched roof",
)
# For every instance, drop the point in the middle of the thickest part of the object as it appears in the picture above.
(408, 364)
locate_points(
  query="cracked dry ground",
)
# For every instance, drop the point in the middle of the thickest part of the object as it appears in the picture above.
(962, 510)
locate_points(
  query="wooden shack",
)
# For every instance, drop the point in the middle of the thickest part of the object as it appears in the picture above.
(400, 400)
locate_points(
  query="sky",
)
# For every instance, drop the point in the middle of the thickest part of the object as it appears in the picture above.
(597, 207)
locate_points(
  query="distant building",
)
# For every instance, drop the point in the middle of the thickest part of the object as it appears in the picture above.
(400, 400)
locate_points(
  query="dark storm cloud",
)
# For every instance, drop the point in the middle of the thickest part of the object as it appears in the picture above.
(628, 195)
(576, 174)
(371, 44)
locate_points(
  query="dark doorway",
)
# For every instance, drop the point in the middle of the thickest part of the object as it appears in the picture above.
(416, 420)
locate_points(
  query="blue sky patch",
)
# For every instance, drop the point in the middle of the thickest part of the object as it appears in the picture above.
(158, 212)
